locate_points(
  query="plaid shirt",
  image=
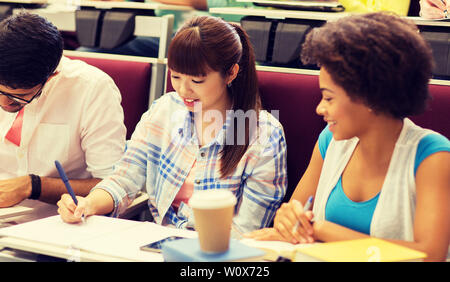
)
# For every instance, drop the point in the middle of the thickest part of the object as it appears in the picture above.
(162, 151)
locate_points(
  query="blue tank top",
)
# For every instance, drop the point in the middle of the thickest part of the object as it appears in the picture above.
(358, 215)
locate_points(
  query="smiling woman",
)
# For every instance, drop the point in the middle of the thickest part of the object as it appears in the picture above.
(373, 172)
(208, 92)
(229, 64)
(173, 152)
(336, 106)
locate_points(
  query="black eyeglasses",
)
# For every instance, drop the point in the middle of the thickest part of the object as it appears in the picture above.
(22, 100)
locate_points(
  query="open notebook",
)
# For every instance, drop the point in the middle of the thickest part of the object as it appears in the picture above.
(276, 249)
(323, 6)
(99, 238)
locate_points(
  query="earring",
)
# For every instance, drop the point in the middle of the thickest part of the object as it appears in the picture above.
(229, 85)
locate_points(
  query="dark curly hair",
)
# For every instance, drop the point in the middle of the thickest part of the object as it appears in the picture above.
(379, 59)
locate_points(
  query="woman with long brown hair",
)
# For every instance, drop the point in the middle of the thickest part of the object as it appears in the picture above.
(211, 133)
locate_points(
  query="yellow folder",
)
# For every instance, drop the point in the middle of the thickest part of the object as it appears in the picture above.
(360, 250)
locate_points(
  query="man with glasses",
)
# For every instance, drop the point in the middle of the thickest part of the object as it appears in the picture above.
(53, 108)
(20, 100)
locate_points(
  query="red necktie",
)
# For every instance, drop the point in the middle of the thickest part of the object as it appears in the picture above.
(15, 132)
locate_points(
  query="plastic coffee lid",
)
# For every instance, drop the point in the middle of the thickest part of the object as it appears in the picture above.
(212, 199)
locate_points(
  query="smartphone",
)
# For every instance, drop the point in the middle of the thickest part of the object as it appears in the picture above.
(156, 246)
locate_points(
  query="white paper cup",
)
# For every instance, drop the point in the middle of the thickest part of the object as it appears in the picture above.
(213, 214)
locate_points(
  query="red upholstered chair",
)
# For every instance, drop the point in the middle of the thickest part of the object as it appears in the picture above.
(436, 117)
(295, 96)
(131, 77)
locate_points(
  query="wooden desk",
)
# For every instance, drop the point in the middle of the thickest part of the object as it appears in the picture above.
(279, 13)
(132, 5)
(309, 15)
(24, 1)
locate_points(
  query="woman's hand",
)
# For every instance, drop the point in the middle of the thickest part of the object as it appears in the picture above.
(72, 213)
(293, 223)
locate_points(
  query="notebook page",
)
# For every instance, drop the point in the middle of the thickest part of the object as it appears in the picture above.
(126, 243)
(53, 231)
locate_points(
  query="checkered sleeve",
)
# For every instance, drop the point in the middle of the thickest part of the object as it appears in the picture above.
(265, 186)
(129, 174)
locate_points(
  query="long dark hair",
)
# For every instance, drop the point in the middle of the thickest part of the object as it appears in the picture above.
(206, 44)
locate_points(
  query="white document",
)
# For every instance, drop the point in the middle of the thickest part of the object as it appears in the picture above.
(52, 230)
(126, 244)
(101, 235)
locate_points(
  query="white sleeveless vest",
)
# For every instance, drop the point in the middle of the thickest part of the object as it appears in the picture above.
(393, 217)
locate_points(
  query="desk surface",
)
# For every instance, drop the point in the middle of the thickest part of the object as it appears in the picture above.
(308, 15)
(132, 5)
(105, 4)
(25, 1)
(279, 13)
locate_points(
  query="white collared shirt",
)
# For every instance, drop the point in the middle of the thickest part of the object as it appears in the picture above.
(78, 120)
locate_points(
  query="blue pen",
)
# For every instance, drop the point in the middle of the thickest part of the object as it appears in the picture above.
(64, 178)
(305, 208)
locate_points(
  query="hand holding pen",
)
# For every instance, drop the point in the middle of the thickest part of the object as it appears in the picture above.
(70, 208)
(293, 221)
